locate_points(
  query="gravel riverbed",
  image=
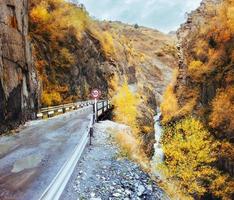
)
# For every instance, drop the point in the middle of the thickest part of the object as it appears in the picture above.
(102, 175)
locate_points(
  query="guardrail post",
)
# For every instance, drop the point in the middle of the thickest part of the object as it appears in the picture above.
(90, 135)
(94, 113)
(103, 107)
(64, 109)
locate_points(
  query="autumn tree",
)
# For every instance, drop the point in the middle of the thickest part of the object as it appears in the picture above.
(125, 103)
(189, 150)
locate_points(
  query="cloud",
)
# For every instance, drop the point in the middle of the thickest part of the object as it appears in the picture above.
(164, 15)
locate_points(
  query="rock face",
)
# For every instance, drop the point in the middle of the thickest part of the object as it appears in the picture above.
(18, 78)
(199, 42)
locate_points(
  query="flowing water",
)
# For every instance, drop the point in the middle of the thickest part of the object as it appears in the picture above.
(158, 151)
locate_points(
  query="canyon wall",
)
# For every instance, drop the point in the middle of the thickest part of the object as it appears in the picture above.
(206, 70)
(18, 78)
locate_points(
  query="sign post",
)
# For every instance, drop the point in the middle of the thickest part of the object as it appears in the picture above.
(95, 93)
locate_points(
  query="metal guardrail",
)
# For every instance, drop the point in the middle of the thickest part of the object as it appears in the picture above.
(58, 184)
(102, 106)
(56, 110)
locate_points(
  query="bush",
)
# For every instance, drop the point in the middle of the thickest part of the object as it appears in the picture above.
(223, 109)
(136, 26)
(189, 152)
(130, 147)
(67, 59)
(51, 98)
(197, 68)
(125, 107)
(39, 13)
(222, 187)
(169, 106)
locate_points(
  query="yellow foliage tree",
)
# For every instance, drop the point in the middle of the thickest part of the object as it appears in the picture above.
(189, 151)
(125, 104)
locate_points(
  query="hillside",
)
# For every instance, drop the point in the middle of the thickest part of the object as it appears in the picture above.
(76, 53)
(199, 103)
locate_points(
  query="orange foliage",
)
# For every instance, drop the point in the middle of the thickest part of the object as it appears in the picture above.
(209, 52)
(51, 99)
(169, 106)
(39, 14)
(222, 187)
(223, 109)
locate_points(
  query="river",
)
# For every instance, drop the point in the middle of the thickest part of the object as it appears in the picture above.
(158, 151)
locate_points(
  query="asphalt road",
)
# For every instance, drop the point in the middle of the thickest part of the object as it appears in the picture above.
(30, 159)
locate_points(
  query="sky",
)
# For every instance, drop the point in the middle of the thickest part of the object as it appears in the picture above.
(164, 15)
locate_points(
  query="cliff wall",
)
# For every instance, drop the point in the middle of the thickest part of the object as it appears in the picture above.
(18, 78)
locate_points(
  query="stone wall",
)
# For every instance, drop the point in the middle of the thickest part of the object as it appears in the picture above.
(18, 78)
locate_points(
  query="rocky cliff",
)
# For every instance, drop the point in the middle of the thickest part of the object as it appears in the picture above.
(206, 69)
(199, 102)
(18, 78)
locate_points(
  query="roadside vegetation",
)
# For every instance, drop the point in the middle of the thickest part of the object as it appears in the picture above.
(125, 112)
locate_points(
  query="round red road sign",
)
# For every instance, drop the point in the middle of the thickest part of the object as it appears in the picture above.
(95, 93)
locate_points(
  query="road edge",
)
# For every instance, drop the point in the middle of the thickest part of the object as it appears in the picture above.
(58, 184)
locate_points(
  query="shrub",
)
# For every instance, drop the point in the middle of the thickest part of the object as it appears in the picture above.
(39, 13)
(223, 109)
(197, 68)
(67, 59)
(195, 65)
(222, 187)
(169, 106)
(125, 107)
(136, 26)
(107, 44)
(189, 151)
(51, 98)
(113, 85)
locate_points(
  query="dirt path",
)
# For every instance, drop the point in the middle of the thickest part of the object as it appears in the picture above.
(102, 175)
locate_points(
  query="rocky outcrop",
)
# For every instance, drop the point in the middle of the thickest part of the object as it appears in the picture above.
(18, 78)
(199, 42)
